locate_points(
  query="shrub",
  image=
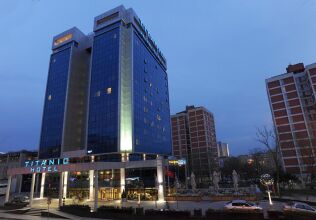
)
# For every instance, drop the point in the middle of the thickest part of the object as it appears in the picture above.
(80, 210)
(197, 212)
(167, 213)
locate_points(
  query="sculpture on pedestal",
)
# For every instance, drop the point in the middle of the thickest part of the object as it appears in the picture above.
(193, 183)
(216, 179)
(235, 180)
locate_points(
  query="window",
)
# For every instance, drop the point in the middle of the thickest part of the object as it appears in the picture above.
(299, 206)
(62, 39)
(49, 97)
(98, 93)
(109, 90)
(107, 18)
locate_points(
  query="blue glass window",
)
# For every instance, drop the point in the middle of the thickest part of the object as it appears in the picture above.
(103, 105)
(151, 102)
(54, 107)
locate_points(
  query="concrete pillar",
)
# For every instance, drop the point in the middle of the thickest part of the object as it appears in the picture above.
(60, 191)
(36, 184)
(125, 158)
(42, 186)
(122, 179)
(7, 194)
(91, 176)
(160, 179)
(96, 190)
(32, 188)
(19, 182)
(65, 184)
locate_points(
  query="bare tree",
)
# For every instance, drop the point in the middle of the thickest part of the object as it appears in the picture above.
(269, 139)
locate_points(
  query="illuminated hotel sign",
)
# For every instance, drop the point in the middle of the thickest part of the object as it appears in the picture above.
(180, 162)
(49, 165)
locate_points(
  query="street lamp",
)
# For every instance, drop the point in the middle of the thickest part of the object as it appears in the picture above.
(267, 181)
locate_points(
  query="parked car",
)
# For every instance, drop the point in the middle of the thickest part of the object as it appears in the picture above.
(241, 205)
(20, 199)
(298, 207)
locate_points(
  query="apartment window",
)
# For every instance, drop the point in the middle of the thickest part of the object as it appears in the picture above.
(49, 97)
(98, 93)
(109, 90)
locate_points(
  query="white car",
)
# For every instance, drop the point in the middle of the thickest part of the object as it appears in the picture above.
(241, 205)
(298, 207)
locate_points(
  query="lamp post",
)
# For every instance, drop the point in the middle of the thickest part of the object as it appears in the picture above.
(267, 181)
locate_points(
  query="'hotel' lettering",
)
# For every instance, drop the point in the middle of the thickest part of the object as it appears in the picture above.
(50, 165)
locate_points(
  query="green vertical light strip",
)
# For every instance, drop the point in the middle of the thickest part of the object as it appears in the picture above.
(126, 129)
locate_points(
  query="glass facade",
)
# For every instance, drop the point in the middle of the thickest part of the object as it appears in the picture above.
(151, 102)
(54, 107)
(103, 104)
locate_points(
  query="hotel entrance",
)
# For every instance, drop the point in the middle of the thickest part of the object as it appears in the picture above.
(109, 193)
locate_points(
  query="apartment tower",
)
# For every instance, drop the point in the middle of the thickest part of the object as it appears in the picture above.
(194, 138)
(292, 102)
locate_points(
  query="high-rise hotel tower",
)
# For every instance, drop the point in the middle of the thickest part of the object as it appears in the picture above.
(107, 92)
(292, 98)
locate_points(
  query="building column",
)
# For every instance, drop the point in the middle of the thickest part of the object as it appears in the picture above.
(42, 186)
(160, 179)
(36, 184)
(19, 182)
(91, 176)
(7, 194)
(122, 179)
(96, 190)
(65, 184)
(125, 158)
(60, 191)
(32, 188)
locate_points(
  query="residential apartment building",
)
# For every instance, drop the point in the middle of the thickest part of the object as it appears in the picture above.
(293, 106)
(194, 138)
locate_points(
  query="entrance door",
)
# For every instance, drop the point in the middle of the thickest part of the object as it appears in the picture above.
(109, 193)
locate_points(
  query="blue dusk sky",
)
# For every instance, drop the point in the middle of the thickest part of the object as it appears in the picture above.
(219, 54)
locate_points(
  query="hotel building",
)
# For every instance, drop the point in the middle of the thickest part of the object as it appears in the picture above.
(106, 117)
(194, 138)
(292, 102)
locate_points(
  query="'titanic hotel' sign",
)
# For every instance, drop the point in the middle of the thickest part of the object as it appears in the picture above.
(47, 165)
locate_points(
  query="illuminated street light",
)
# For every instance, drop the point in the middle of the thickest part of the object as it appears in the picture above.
(267, 181)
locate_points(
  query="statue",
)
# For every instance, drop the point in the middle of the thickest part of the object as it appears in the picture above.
(176, 183)
(193, 183)
(216, 179)
(235, 180)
